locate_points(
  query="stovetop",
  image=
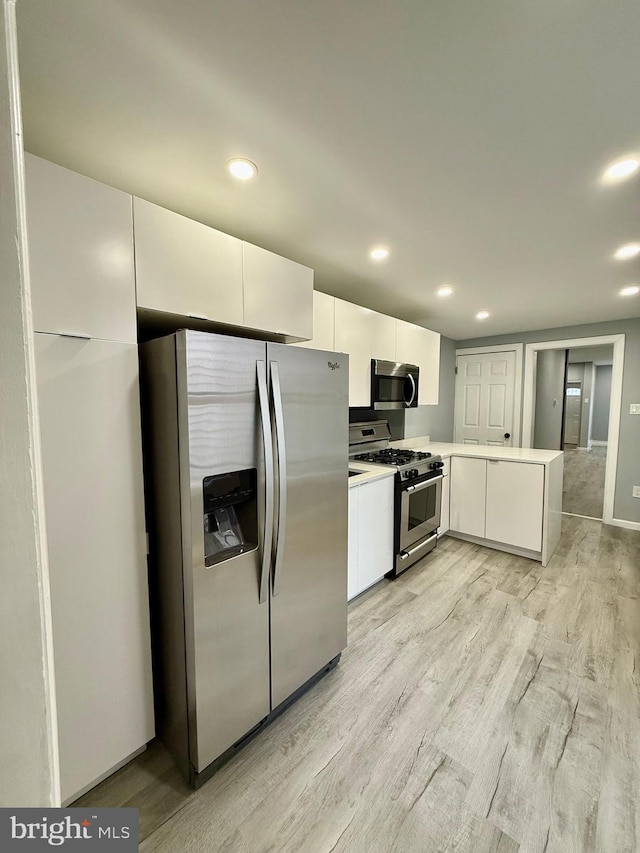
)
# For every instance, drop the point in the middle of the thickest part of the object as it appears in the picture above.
(393, 456)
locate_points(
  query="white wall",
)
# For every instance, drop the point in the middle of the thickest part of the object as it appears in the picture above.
(28, 757)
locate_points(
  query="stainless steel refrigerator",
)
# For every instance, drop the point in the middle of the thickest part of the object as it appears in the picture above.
(246, 459)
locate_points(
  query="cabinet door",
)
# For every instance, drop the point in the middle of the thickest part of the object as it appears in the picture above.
(383, 336)
(375, 557)
(429, 362)
(353, 587)
(80, 254)
(278, 293)
(353, 336)
(416, 345)
(323, 323)
(444, 510)
(92, 463)
(515, 495)
(467, 498)
(185, 267)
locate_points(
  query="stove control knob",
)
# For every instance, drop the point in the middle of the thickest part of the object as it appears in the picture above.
(414, 473)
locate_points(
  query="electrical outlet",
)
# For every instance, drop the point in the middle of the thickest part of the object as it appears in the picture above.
(636, 492)
(634, 409)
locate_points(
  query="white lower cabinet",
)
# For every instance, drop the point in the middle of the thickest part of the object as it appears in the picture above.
(498, 500)
(92, 469)
(444, 509)
(515, 498)
(370, 533)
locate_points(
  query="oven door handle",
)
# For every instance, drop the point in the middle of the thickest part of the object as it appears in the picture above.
(409, 403)
(424, 485)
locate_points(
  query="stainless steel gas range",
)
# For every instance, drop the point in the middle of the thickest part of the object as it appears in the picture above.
(418, 490)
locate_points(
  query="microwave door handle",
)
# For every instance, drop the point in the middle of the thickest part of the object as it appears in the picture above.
(409, 403)
(267, 443)
(282, 474)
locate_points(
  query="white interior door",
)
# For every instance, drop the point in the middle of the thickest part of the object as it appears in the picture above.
(485, 398)
(572, 412)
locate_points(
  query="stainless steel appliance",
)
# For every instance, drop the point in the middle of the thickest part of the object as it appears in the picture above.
(246, 461)
(418, 490)
(394, 385)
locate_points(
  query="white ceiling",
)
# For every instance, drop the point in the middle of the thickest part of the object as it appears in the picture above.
(468, 137)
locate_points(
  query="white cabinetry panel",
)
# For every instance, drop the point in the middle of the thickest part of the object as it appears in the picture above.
(353, 336)
(80, 254)
(184, 267)
(417, 345)
(515, 498)
(91, 453)
(278, 293)
(383, 336)
(444, 512)
(468, 482)
(370, 533)
(323, 323)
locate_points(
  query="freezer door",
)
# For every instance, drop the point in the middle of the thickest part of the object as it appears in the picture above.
(309, 584)
(228, 639)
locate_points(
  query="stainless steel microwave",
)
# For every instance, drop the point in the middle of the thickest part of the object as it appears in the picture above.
(394, 385)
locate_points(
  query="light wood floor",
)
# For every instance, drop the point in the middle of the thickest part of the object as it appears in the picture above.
(583, 484)
(483, 704)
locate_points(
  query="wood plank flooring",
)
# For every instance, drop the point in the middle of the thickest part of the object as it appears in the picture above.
(583, 484)
(483, 704)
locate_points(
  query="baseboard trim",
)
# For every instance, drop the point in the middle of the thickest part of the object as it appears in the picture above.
(595, 443)
(577, 515)
(621, 522)
(583, 448)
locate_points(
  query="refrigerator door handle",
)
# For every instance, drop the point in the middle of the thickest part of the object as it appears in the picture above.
(282, 473)
(269, 475)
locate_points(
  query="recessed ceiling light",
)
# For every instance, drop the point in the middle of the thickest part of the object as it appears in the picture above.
(482, 315)
(445, 291)
(630, 250)
(242, 169)
(379, 253)
(630, 291)
(620, 169)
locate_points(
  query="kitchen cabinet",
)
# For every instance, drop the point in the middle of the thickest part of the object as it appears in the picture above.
(323, 323)
(370, 533)
(278, 294)
(444, 510)
(353, 336)
(184, 267)
(468, 485)
(417, 345)
(515, 497)
(89, 410)
(80, 236)
(382, 333)
(498, 500)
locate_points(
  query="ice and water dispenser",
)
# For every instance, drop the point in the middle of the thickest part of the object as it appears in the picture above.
(230, 515)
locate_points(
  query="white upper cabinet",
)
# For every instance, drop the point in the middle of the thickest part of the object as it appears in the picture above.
(185, 267)
(278, 294)
(353, 336)
(80, 254)
(383, 336)
(324, 307)
(417, 345)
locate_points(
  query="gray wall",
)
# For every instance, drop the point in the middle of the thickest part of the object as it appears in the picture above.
(547, 429)
(601, 399)
(628, 473)
(437, 421)
(26, 737)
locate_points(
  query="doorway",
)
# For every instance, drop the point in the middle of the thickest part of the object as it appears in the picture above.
(590, 423)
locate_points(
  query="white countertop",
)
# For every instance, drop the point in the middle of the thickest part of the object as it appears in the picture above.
(482, 451)
(368, 473)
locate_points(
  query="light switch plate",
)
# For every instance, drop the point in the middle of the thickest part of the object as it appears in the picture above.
(634, 409)
(636, 492)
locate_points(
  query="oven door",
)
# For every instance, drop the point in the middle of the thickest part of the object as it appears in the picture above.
(419, 510)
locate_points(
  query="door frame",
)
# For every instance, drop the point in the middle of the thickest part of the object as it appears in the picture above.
(614, 405)
(517, 386)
